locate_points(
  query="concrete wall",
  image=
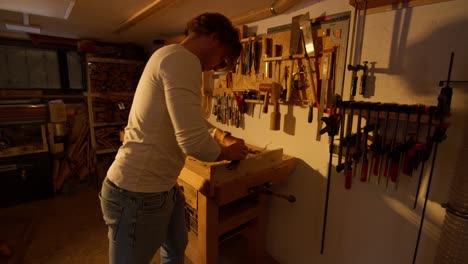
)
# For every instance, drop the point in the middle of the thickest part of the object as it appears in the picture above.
(369, 223)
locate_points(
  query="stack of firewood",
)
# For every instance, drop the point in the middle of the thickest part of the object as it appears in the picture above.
(107, 137)
(111, 108)
(102, 76)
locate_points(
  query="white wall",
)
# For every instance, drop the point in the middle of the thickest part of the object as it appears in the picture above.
(369, 223)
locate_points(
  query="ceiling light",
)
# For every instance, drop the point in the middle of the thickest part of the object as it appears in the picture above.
(25, 27)
(49, 8)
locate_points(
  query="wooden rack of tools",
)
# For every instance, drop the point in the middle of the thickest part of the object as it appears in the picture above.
(298, 64)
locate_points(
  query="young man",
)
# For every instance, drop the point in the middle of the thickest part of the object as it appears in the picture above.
(141, 203)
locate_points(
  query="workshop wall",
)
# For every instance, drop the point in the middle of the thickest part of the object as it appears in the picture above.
(409, 50)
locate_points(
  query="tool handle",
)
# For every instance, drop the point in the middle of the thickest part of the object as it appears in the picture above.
(353, 85)
(394, 171)
(275, 120)
(376, 165)
(266, 102)
(386, 166)
(407, 162)
(290, 81)
(310, 79)
(365, 165)
(348, 178)
(310, 117)
(363, 84)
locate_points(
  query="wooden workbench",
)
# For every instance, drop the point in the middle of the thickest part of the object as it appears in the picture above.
(223, 202)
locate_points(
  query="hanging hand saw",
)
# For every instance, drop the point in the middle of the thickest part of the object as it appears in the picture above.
(293, 46)
(309, 50)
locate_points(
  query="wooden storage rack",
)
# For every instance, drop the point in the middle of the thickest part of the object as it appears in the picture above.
(111, 86)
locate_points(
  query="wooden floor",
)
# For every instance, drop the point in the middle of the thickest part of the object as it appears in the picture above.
(69, 229)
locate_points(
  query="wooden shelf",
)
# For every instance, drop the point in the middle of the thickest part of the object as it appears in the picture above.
(111, 94)
(109, 80)
(112, 60)
(28, 149)
(105, 151)
(104, 124)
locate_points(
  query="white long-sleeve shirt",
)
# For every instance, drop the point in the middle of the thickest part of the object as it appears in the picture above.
(165, 124)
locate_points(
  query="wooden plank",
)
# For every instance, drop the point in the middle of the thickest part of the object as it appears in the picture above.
(253, 163)
(195, 180)
(20, 93)
(207, 235)
(192, 248)
(23, 113)
(150, 9)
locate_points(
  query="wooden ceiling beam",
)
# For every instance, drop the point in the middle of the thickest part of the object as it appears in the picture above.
(147, 11)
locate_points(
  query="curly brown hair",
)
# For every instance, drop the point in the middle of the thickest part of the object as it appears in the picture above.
(228, 35)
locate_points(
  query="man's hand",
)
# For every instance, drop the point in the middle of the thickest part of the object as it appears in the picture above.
(229, 140)
(234, 151)
(232, 148)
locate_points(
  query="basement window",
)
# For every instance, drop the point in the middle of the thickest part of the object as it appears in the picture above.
(34, 68)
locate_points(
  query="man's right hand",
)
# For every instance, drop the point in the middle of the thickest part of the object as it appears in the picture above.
(234, 151)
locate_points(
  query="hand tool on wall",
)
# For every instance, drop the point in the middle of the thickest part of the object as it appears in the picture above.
(247, 58)
(275, 118)
(354, 78)
(353, 66)
(357, 146)
(398, 109)
(363, 78)
(273, 89)
(342, 118)
(309, 50)
(367, 129)
(277, 69)
(396, 157)
(443, 112)
(327, 70)
(383, 146)
(346, 166)
(409, 147)
(256, 55)
(376, 141)
(332, 126)
(265, 87)
(268, 45)
(293, 46)
(425, 152)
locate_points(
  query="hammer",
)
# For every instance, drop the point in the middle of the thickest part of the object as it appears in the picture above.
(265, 87)
(274, 89)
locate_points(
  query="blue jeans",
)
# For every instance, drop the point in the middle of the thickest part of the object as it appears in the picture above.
(140, 223)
